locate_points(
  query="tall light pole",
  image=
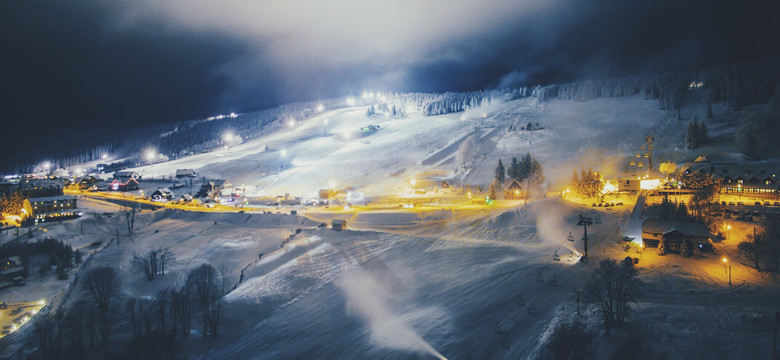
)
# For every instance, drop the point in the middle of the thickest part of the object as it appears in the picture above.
(584, 222)
(725, 261)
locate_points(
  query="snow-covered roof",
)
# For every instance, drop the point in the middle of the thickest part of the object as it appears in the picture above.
(658, 226)
(51, 198)
(125, 174)
(185, 172)
(163, 192)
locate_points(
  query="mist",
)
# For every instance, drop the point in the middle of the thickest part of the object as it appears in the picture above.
(551, 224)
(365, 299)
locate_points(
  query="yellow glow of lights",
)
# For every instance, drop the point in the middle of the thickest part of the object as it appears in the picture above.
(725, 260)
(609, 187)
(413, 182)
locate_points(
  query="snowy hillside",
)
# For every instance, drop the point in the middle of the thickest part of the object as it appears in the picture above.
(331, 148)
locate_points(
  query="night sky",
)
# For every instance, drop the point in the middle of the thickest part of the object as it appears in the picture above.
(68, 64)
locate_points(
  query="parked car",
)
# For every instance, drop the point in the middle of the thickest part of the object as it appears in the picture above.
(727, 216)
(748, 218)
(727, 211)
(740, 203)
(723, 203)
(766, 203)
(731, 203)
(756, 213)
(776, 203)
(757, 203)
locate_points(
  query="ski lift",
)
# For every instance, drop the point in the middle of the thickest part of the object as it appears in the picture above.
(539, 277)
(640, 164)
(598, 220)
(520, 301)
(498, 329)
(571, 237)
(646, 155)
(637, 155)
(532, 309)
(556, 257)
(632, 163)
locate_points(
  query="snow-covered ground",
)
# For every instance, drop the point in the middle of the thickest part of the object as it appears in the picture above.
(454, 282)
(310, 156)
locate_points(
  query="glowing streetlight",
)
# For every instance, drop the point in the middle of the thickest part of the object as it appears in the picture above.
(729, 270)
(413, 182)
(104, 156)
(320, 108)
(350, 101)
(291, 122)
(283, 152)
(332, 184)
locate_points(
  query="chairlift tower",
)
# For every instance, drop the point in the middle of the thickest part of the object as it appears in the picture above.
(649, 140)
(584, 222)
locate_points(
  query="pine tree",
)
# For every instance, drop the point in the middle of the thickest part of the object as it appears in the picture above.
(514, 169)
(661, 248)
(525, 167)
(685, 248)
(703, 133)
(500, 172)
(575, 182)
(492, 191)
(693, 135)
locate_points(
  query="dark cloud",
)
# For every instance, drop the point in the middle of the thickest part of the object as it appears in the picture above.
(96, 63)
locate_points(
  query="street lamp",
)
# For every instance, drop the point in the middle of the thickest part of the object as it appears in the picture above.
(413, 182)
(729, 269)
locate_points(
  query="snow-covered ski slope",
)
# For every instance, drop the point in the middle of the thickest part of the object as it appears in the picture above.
(449, 282)
(331, 149)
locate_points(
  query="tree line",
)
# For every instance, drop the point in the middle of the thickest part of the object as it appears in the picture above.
(158, 324)
(587, 183)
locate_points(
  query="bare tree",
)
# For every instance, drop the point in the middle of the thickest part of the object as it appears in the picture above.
(129, 212)
(613, 286)
(146, 264)
(569, 341)
(752, 249)
(165, 257)
(205, 285)
(74, 325)
(44, 333)
(161, 302)
(101, 286)
(153, 263)
(181, 309)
